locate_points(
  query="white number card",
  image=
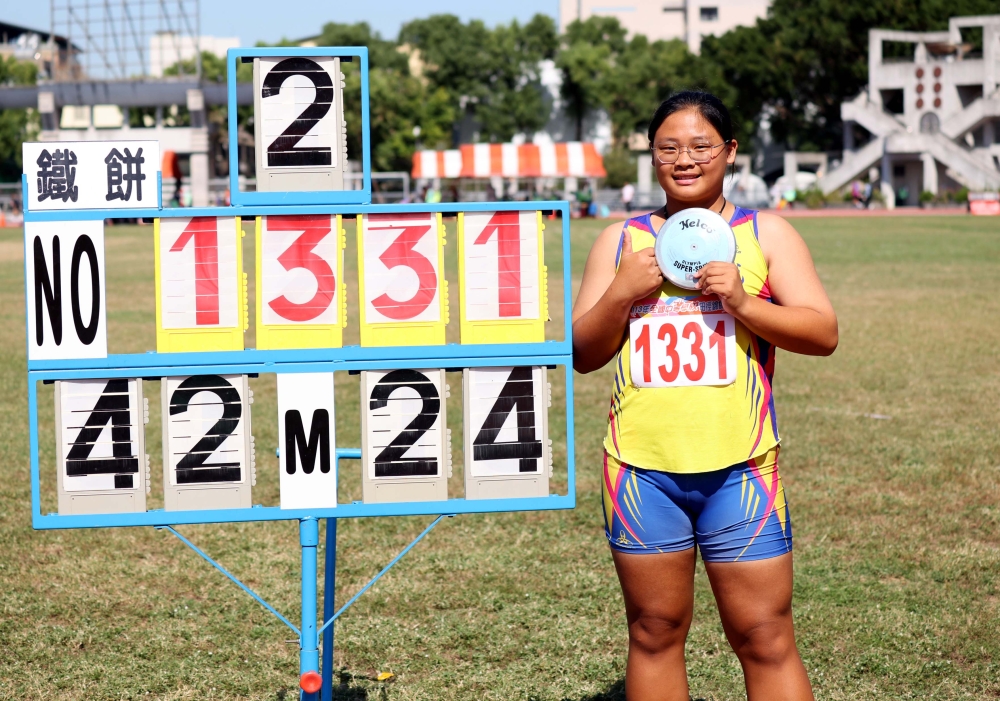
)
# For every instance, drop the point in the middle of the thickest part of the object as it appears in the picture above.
(677, 345)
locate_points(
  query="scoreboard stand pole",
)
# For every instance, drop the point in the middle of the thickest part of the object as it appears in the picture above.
(315, 681)
(329, 588)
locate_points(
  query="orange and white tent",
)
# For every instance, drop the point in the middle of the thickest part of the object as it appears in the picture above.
(572, 159)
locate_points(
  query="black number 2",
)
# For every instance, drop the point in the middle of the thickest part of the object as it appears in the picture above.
(390, 462)
(517, 395)
(282, 152)
(192, 468)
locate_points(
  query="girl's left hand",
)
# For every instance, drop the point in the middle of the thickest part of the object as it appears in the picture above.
(724, 280)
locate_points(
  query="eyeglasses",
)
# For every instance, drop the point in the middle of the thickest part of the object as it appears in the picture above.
(701, 152)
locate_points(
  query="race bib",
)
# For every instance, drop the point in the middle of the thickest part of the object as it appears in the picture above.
(678, 345)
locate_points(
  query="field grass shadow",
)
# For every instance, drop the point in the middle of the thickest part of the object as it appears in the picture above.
(616, 692)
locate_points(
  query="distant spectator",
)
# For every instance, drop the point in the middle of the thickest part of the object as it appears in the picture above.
(902, 195)
(628, 194)
(857, 194)
(584, 197)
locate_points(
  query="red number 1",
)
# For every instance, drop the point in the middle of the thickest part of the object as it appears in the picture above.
(204, 231)
(508, 261)
(642, 344)
(300, 255)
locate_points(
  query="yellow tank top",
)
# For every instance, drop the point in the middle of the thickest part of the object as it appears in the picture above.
(688, 429)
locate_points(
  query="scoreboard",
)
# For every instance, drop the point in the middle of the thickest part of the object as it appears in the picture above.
(302, 219)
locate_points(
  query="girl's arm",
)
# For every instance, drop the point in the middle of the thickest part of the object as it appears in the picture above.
(802, 319)
(600, 315)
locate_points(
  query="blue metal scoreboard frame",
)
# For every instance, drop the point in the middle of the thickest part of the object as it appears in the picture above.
(351, 358)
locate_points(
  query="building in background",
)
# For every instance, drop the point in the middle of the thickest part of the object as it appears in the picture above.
(687, 20)
(101, 69)
(168, 48)
(56, 59)
(928, 120)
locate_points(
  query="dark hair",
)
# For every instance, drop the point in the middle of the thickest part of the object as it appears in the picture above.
(708, 105)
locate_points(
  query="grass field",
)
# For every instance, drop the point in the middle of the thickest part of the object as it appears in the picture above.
(891, 464)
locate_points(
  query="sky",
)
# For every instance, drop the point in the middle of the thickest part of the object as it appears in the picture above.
(271, 20)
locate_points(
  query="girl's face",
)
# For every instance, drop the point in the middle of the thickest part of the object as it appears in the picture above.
(700, 158)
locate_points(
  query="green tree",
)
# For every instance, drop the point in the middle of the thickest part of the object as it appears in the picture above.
(513, 99)
(490, 75)
(382, 53)
(587, 59)
(16, 126)
(645, 74)
(397, 101)
(397, 104)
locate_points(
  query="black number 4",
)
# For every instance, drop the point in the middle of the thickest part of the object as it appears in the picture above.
(112, 407)
(517, 395)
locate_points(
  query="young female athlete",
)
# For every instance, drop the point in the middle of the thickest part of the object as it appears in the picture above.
(691, 454)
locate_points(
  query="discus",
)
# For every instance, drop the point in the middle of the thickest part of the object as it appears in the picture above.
(688, 241)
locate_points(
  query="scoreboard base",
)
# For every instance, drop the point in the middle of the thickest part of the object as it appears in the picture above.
(408, 334)
(198, 340)
(383, 492)
(300, 181)
(536, 485)
(206, 498)
(108, 503)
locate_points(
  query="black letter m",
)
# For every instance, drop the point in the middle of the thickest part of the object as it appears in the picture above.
(319, 440)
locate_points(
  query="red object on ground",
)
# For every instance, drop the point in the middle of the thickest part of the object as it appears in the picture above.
(311, 682)
(984, 207)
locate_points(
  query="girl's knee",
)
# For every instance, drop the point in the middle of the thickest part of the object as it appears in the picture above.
(656, 633)
(770, 643)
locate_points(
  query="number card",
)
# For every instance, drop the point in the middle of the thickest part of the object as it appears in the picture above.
(404, 296)
(201, 289)
(674, 344)
(307, 447)
(64, 266)
(92, 174)
(300, 265)
(507, 447)
(405, 450)
(208, 453)
(301, 139)
(101, 459)
(502, 277)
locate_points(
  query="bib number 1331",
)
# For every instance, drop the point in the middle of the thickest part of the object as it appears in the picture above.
(686, 350)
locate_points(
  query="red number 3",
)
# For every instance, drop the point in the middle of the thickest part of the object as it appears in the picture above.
(301, 255)
(401, 253)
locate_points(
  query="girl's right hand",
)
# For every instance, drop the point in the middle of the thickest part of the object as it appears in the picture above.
(638, 274)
